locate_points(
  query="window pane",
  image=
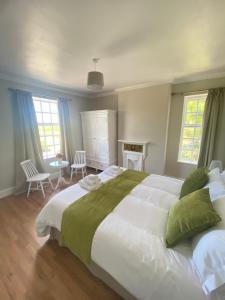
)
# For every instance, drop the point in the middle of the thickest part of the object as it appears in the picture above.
(190, 119)
(49, 140)
(47, 118)
(55, 118)
(56, 140)
(37, 106)
(195, 155)
(188, 132)
(196, 144)
(54, 108)
(198, 133)
(199, 119)
(187, 155)
(57, 149)
(56, 130)
(51, 151)
(192, 106)
(188, 144)
(48, 130)
(45, 106)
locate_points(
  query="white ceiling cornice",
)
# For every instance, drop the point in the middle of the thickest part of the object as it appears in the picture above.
(199, 77)
(35, 83)
(104, 94)
(140, 86)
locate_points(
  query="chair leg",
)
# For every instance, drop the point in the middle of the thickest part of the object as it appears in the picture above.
(28, 192)
(50, 182)
(42, 189)
(86, 170)
(82, 170)
(71, 175)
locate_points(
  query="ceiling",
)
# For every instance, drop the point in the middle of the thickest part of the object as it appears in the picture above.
(138, 41)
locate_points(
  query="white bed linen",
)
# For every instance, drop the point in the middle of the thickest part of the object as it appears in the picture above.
(129, 243)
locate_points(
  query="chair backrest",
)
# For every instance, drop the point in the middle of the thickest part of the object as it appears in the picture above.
(80, 157)
(29, 168)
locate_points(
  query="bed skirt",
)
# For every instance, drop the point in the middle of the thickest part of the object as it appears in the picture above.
(97, 271)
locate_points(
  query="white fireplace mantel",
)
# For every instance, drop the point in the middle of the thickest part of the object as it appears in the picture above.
(133, 157)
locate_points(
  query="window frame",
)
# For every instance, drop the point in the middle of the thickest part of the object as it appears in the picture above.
(189, 97)
(52, 124)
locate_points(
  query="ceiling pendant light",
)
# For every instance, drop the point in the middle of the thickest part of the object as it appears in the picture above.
(95, 79)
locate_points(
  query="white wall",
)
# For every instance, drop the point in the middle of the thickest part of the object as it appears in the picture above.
(143, 115)
(105, 102)
(7, 153)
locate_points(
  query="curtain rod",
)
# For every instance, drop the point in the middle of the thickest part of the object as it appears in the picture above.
(193, 92)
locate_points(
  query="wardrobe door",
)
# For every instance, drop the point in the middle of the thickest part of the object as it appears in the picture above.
(101, 137)
(101, 125)
(101, 150)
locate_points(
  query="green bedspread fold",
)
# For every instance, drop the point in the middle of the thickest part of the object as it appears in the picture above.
(82, 218)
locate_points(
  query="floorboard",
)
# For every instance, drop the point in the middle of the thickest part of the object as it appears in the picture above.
(33, 268)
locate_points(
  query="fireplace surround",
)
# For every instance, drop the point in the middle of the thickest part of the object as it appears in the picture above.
(134, 154)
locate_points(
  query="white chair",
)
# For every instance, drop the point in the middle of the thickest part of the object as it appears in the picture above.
(33, 176)
(79, 164)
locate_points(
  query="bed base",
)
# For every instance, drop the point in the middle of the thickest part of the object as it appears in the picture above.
(97, 271)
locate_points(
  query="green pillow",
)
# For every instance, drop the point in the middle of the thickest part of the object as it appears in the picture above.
(195, 181)
(189, 216)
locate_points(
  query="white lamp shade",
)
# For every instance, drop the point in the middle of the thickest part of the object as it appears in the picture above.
(216, 164)
(95, 80)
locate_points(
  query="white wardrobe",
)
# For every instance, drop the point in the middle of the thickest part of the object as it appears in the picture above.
(99, 138)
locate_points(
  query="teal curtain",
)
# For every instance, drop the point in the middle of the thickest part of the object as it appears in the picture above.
(27, 140)
(213, 107)
(65, 129)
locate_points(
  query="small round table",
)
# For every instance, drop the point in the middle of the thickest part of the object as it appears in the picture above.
(59, 164)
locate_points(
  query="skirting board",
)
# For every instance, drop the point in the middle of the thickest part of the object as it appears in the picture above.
(7, 192)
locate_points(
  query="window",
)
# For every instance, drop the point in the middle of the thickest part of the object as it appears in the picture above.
(191, 131)
(48, 125)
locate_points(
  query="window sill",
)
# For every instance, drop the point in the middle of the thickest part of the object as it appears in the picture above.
(187, 162)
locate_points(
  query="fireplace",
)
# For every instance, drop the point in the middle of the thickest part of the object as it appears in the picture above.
(134, 154)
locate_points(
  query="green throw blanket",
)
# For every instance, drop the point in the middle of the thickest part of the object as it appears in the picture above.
(82, 218)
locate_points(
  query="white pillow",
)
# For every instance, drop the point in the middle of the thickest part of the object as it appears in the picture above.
(216, 184)
(214, 175)
(209, 252)
(223, 175)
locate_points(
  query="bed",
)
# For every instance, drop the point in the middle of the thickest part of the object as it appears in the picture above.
(128, 250)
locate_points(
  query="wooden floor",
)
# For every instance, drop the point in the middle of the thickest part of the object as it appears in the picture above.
(37, 269)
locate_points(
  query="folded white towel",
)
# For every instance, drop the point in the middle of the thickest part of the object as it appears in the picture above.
(88, 187)
(113, 171)
(92, 179)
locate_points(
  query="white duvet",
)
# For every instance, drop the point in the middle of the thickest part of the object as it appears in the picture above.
(129, 243)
